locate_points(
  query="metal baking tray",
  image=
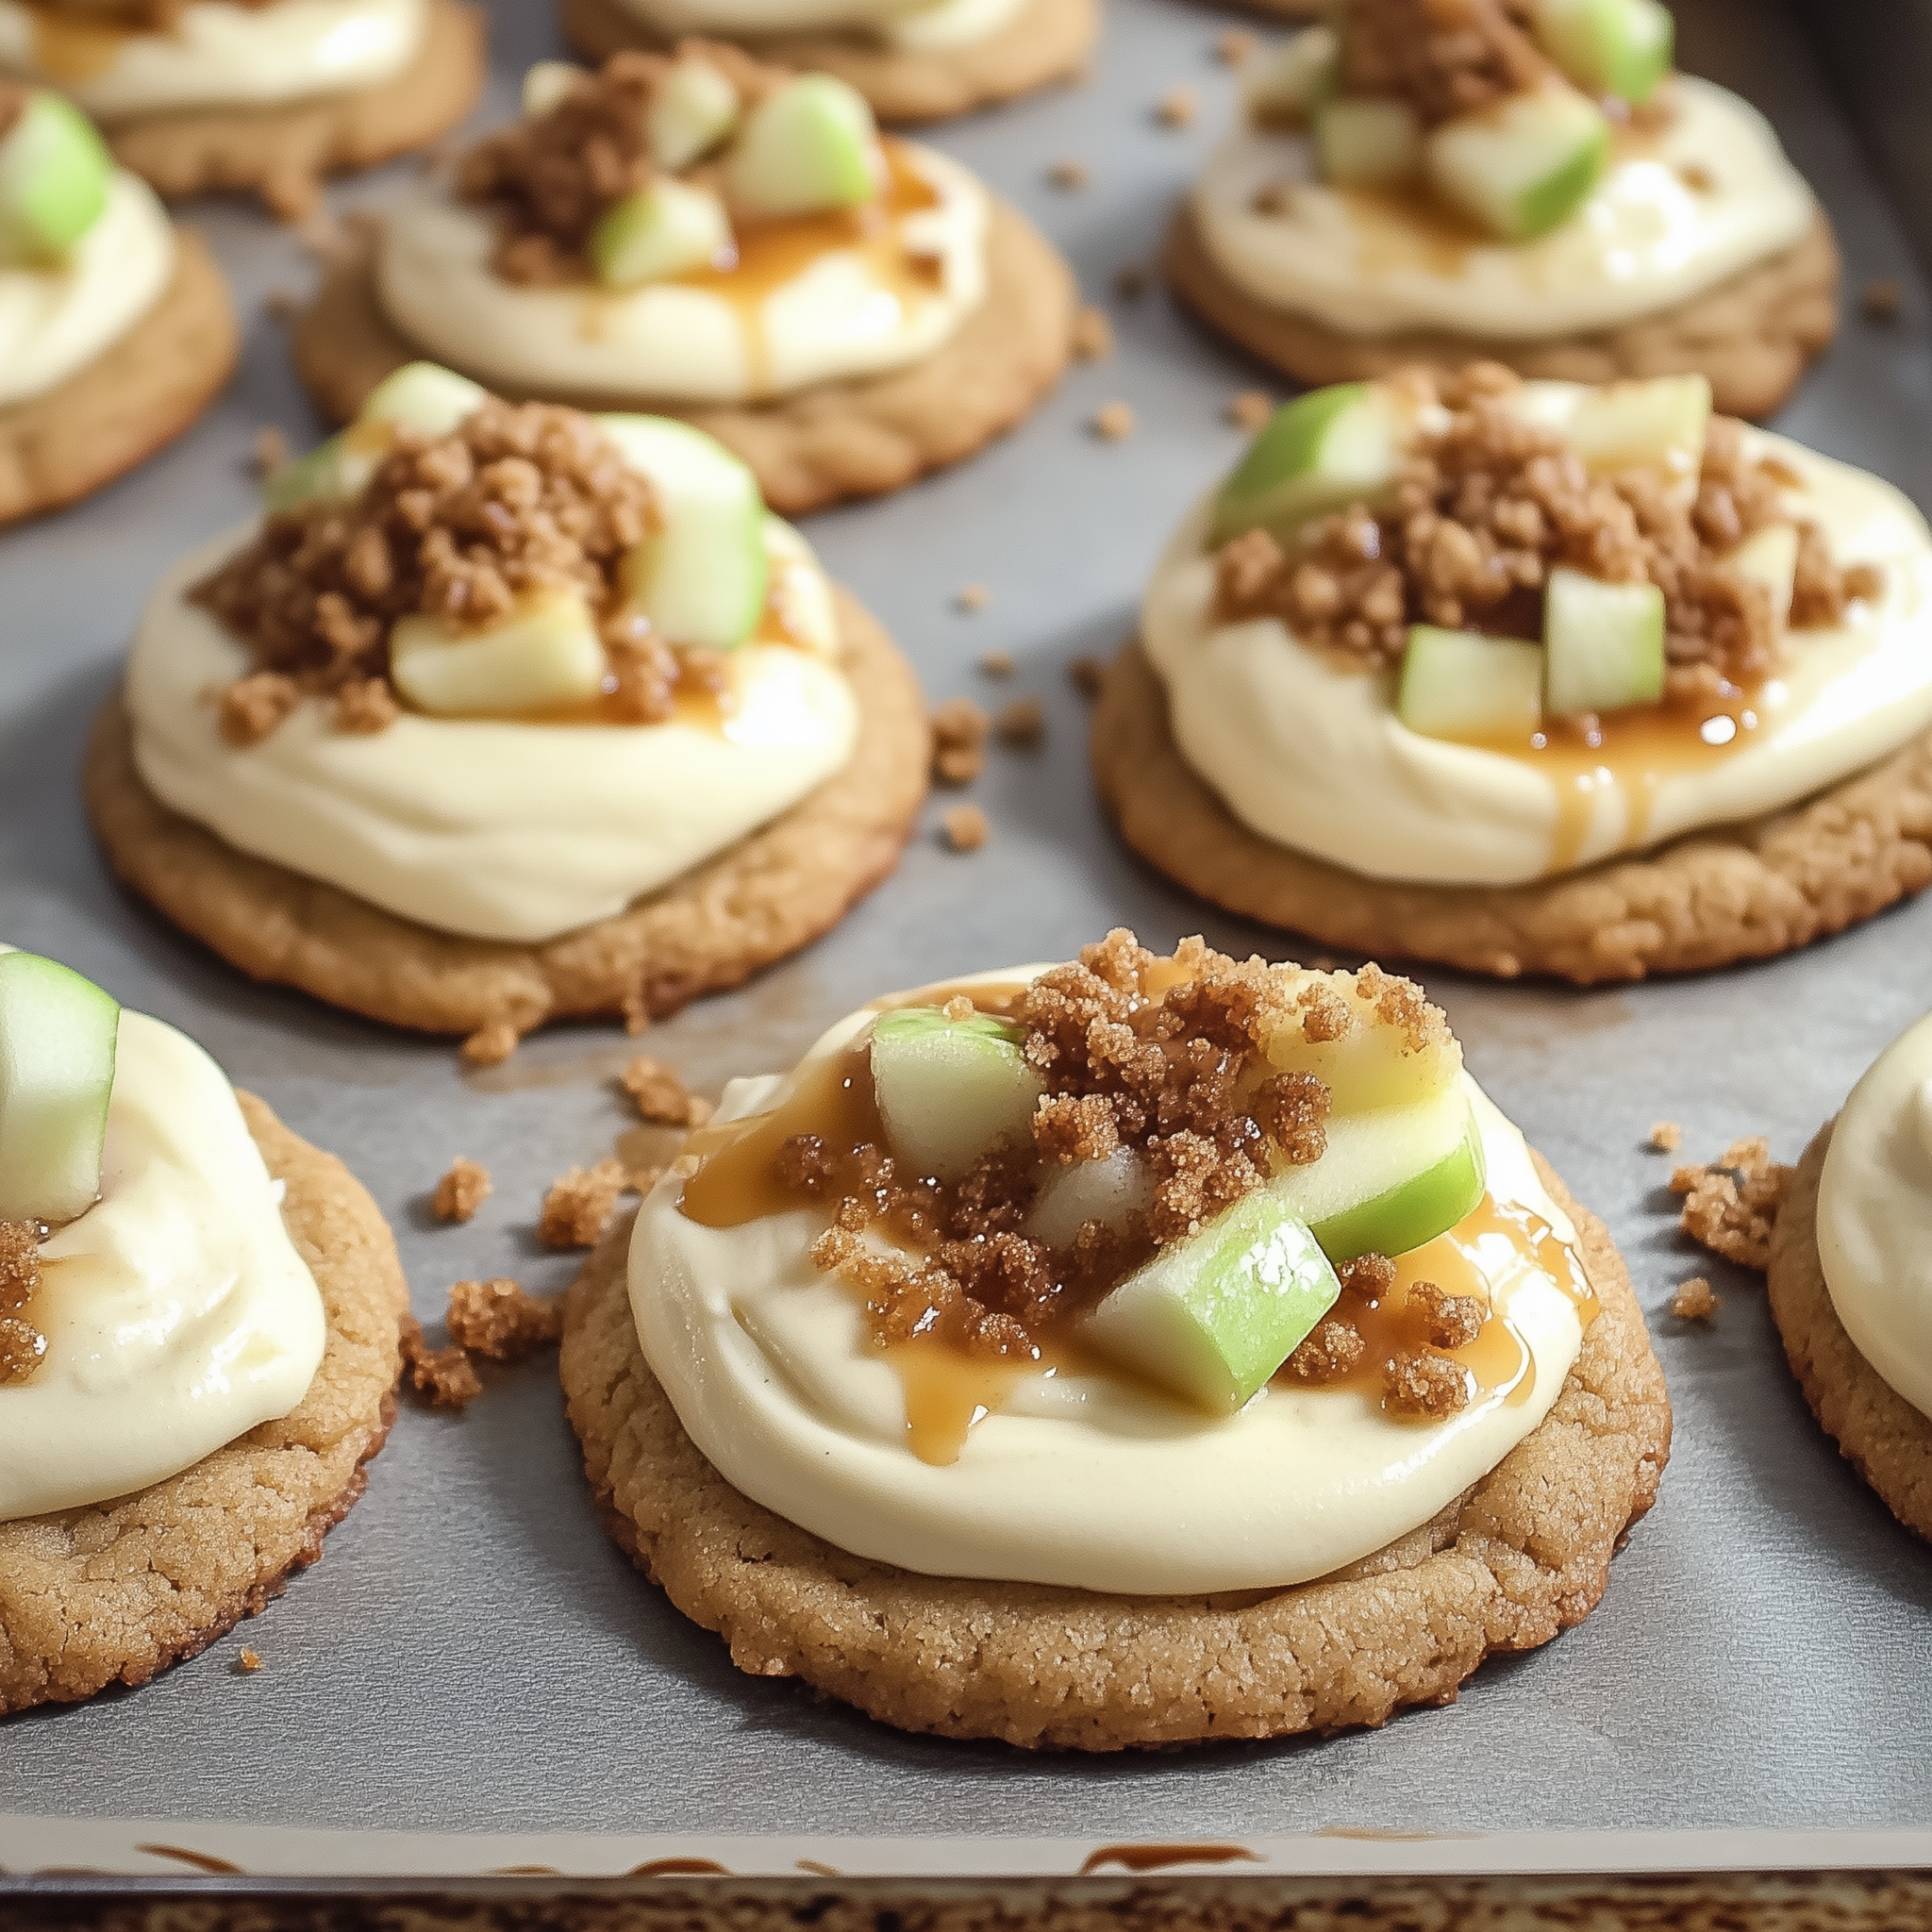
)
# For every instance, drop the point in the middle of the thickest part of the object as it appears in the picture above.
(474, 1679)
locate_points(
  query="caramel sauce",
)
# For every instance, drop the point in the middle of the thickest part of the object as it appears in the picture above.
(1159, 1858)
(679, 1868)
(1407, 227)
(72, 46)
(200, 1861)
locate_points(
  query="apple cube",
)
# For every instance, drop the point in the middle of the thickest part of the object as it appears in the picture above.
(1104, 1190)
(1318, 453)
(1290, 84)
(1658, 423)
(331, 469)
(1459, 684)
(1212, 1317)
(1770, 557)
(543, 655)
(1523, 167)
(1367, 143)
(58, 1035)
(1620, 47)
(54, 175)
(424, 397)
(694, 110)
(811, 146)
(665, 230)
(1602, 644)
(950, 1090)
(1371, 1062)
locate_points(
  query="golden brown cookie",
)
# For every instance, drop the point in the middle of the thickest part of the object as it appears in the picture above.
(113, 1593)
(1048, 40)
(1710, 898)
(1752, 335)
(838, 440)
(140, 393)
(282, 152)
(775, 891)
(1878, 1432)
(1522, 1554)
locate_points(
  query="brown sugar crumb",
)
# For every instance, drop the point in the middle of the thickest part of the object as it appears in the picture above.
(1881, 301)
(248, 1661)
(579, 1205)
(1276, 198)
(1092, 339)
(966, 828)
(1250, 408)
(251, 707)
(1087, 675)
(1113, 422)
(958, 764)
(1075, 1127)
(1292, 1110)
(271, 451)
(491, 1045)
(1423, 1385)
(1444, 60)
(1449, 1320)
(972, 598)
(366, 706)
(1332, 1350)
(1666, 1136)
(499, 1322)
(1130, 283)
(1022, 723)
(1695, 1301)
(1070, 176)
(1730, 1206)
(443, 1377)
(1177, 108)
(1236, 47)
(461, 1190)
(997, 664)
(23, 1347)
(659, 1094)
(1697, 178)
(959, 729)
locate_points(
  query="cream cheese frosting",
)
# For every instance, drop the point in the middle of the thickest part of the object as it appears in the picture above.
(1312, 754)
(770, 1368)
(1875, 1216)
(1645, 240)
(504, 830)
(176, 1312)
(54, 320)
(215, 55)
(844, 313)
(895, 22)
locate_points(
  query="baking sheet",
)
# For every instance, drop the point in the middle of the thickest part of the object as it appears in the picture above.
(473, 1657)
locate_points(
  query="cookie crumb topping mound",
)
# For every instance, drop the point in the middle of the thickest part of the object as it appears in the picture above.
(1443, 57)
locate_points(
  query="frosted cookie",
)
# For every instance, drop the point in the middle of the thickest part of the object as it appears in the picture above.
(115, 327)
(503, 713)
(1123, 1353)
(1533, 677)
(1851, 1277)
(708, 237)
(1523, 180)
(198, 1342)
(262, 95)
(925, 61)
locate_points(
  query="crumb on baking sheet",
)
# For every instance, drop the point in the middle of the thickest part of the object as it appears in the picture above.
(1114, 421)
(461, 1190)
(1881, 299)
(1236, 47)
(1130, 282)
(966, 828)
(1695, 1300)
(443, 1377)
(1087, 675)
(1666, 1136)
(972, 598)
(498, 1320)
(659, 1094)
(1250, 408)
(247, 1661)
(489, 1045)
(1022, 723)
(997, 664)
(1177, 108)
(959, 729)
(579, 1205)
(1069, 174)
(1730, 1206)
(1092, 339)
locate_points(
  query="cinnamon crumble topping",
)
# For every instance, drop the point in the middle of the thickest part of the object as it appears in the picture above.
(660, 1095)
(1666, 1136)
(1730, 1206)
(499, 1322)
(461, 1190)
(1445, 57)
(23, 1347)
(1431, 1386)
(1332, 1352)
(1449, 1320)
(579, 1205)
(1695, 1301)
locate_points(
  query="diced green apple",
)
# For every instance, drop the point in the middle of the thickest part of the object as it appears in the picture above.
(811, 146)
(1372, 1062)
(1320, 453)
(1212, 1317)
(667, 228)
(1771, 558)
(696, 109)
(1292, 83)
(1657, 424)
(1523, 167)
(1620, 47)
(330, 469)
(543, 655)
(57, 1035)
(1602, 644)
(1104, 1190)
(424, 397)
(1459, 684)
(701, 577)
(545, 86)
(1367, 143)
(55, 171)
(949, 1091)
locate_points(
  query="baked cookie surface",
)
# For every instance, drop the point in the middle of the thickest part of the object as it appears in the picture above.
(1049, 40)
(1752, 335)
(117, 410)
(1710, 898)
(281, 152)
(856, 437)
(1878, 1432)
(115, 1592)
(1520, 1556)
(767, 896)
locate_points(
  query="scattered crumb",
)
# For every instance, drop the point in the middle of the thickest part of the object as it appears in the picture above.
(293, 194)
(997, 664)
(1087, 675)
(1275, 198)
(966, 828)
(1881, 301)
(971, 598)
(579, 1205)
(1425, 1386)
(1666, 1136)
(1449, 1320)
(1023, 724)
(443, 1377)
(461, 1190)
(958, 731)
(637, 1015)
(1114, 421)
(279, 306)
(1730, 1207)
(1130, 283)
(271, 450)
(498, 1320)
(1072, 175)
(958, 764)
(1177, 108)
(659, 1094)
(491, 1045)
(1695, 1301)
(1250, 408)
(248, 1662)
(1236, 47)
(253, 707)
(1092, 336)
(1696, 178)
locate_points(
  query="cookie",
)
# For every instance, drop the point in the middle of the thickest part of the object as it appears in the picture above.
(1743, 891)
(770, 893)
(1752, 335)
(140, 393)
(1522, 1554)
(1878, 1432)
(1047, 40)
(114, 1592)
(281, 152)
(836, 440)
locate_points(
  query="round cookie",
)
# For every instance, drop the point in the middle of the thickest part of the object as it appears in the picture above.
(1522, 1554)
(1048, 40)
(114, 1592)
(141, 393)
(1710, 898)
(281, 152)
(1878, 1432)
(1752, 335)
(856, 437)
(770, 893)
